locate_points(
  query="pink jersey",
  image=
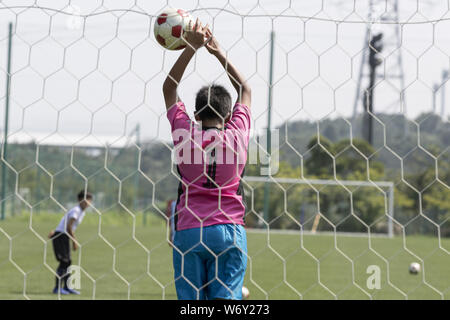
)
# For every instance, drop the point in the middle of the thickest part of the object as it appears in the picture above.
(211, 164)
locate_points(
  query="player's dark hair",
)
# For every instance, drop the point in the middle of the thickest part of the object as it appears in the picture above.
(212, 102)
(84, 195)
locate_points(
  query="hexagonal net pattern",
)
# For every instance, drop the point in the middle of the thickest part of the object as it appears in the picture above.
(347, 169)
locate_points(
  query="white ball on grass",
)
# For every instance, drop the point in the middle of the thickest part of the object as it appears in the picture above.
(245, 293)
(414, 268)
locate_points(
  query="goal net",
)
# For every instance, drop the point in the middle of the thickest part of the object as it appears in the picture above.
(348, 166)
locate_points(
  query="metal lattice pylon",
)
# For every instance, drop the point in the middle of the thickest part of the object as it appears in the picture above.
(393, 73)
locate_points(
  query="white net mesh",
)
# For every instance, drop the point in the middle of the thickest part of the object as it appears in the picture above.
(86, 111)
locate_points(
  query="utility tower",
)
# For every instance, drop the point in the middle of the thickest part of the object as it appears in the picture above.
(375, 47)
(440, 88)
(445, 78)
(380, 36)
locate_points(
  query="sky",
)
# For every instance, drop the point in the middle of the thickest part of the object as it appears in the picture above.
(92, 80)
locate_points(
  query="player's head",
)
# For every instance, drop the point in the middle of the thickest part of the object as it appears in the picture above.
(84, 198)
(213, 103)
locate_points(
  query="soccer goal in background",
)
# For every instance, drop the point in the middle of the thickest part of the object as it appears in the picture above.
(308, 211)
(355, 89)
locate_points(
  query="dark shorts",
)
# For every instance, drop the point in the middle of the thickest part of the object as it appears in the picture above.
(61, 247)
(210, 262)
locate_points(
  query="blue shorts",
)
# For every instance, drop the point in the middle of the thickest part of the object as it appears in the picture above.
(210, 262)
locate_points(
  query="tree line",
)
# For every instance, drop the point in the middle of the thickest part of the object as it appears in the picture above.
(144, 179)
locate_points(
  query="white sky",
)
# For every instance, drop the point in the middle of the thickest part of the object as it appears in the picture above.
(67, 86)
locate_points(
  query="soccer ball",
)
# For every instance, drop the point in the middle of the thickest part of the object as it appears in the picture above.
(414, 268)
(245, 293)
(170, 26)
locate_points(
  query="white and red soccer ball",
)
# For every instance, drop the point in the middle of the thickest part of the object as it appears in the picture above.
(170, 26)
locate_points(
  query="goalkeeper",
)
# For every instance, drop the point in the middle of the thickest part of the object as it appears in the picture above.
(210, 244)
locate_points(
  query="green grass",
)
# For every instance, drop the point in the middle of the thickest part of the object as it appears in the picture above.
(118, 265)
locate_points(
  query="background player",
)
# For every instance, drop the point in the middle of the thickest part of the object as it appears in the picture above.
(61, 241)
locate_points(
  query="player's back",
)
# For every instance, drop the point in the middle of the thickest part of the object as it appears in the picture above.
(211, 163)
(76, 213)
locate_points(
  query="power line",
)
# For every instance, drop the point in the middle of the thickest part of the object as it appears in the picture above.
(272, 16)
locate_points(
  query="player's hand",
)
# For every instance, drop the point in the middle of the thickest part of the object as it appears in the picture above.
(212, 45)
(75, 246)
(51, 233)
(196, 35)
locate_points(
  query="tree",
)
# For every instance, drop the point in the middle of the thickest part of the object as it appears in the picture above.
(319, 163)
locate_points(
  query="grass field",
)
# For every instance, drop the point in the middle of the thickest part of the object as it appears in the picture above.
(281, 266)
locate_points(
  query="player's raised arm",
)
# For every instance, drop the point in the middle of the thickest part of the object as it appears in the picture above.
(240, 85)
(194, 39)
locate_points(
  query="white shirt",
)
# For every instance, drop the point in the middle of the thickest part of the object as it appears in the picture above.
(76, 213)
